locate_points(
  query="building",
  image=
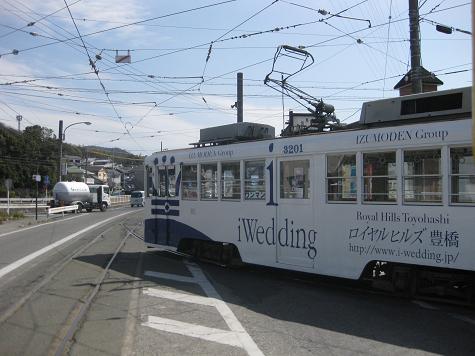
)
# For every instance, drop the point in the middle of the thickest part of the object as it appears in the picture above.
(100, 172)
(429, 82)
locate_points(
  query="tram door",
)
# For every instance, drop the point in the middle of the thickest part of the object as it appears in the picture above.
(295, 233)
(167, 203)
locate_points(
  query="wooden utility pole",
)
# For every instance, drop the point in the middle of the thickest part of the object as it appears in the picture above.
(239, 102)
(415, 46)
(60, 136)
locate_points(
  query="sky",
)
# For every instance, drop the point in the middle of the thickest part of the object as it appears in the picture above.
(58, 62)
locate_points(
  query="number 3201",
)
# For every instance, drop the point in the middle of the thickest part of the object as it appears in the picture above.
(292, 149)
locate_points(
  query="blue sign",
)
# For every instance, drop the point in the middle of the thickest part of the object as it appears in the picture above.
(46, 180)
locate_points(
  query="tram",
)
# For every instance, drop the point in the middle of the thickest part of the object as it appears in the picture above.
(389, 199)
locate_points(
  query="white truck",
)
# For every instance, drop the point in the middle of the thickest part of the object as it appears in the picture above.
(85, 196)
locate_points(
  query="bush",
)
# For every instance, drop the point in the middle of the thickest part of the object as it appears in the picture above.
(13, 216)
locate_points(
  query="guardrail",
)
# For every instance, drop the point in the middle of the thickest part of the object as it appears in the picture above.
(61, 209)
(23, 206)
(25, 200)
(120, 199)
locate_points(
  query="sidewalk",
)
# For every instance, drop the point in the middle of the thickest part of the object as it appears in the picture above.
(12, 225)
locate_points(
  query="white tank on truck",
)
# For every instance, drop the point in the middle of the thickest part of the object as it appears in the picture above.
(81, 194)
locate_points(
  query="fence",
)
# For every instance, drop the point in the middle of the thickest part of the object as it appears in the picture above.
(18, 201)
(120, 199)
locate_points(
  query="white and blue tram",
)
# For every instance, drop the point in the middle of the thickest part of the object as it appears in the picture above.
(392, 197)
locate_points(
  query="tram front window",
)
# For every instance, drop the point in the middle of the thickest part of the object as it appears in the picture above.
(422, 176)
(462, 175)
(162, 179)
(171, 184)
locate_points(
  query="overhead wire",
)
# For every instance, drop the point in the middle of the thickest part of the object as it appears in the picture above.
(125, 25)
(40, 19)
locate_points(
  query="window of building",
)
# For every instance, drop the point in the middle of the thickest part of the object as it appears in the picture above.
(209, 181)
(189, 182)
(379, 177)
(341, 178)
(254, 180)
(462, 175)
(294, 179)
(422, 176)
(230, 180)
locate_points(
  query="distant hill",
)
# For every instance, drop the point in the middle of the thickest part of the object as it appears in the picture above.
(35, 150)
(117, 154)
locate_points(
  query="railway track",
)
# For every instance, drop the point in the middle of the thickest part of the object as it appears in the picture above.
(64, 338)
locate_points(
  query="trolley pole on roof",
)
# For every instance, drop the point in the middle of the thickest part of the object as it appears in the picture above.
(415, 46)
(239, 102)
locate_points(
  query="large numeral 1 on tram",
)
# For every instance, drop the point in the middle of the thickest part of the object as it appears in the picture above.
(270, 168)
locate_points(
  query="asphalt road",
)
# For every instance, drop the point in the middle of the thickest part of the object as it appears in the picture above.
(155, 303)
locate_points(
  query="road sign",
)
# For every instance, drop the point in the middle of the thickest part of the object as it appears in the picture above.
(36, 177)
(8, 183)
(46, 180)
(122, 58)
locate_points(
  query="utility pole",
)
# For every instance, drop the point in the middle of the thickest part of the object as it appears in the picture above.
(85, 174)
(239, 102)
(60, 135)
(415, 46)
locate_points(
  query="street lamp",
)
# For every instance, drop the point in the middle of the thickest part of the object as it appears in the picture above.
(62, 135)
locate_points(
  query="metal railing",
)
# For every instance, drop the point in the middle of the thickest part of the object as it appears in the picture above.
(25, 200)
(61, 209)
(120, 199)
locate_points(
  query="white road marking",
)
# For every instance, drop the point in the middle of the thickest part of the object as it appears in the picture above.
(13, 266)
(180, 297)
(198, 331)
(237, 334)
(173, 277)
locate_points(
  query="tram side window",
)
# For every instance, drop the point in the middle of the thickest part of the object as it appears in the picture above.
(379, 177)
(209, 181)
(254, 181)
(189, 182)
(230, 181)
(341, 178)
(462, 175)
(422, 176)
(294, 179)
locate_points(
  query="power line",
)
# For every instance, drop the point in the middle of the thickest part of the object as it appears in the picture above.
(40, 19)
(123, 26)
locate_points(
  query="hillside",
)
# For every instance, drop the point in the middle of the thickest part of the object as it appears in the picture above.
(35, 150)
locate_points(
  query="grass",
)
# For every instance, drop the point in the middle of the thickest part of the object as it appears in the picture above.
(13, 216)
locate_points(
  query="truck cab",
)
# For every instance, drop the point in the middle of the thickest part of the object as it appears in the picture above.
(100, 197)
